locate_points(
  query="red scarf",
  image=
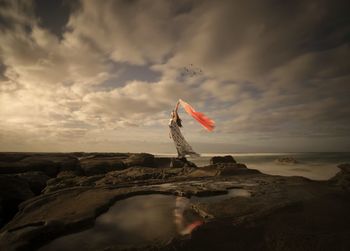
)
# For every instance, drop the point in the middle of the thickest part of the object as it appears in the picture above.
(206, 122)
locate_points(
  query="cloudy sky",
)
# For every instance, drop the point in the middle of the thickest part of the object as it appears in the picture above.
(104, 75)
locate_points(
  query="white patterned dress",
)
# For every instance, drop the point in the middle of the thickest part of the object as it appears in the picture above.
(182, 147)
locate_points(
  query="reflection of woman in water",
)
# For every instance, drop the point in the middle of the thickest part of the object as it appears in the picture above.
(182, 147)
(184, 226)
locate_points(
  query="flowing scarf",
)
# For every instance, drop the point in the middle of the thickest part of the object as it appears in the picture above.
(206, 122)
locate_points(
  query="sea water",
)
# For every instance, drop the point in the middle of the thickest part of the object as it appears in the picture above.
(316, 166)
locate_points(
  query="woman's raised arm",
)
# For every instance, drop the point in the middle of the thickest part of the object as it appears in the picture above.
(177, 106)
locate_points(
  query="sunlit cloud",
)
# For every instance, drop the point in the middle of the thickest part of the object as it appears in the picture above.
(109, 71)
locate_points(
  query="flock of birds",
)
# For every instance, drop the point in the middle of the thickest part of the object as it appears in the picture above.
(191, 71)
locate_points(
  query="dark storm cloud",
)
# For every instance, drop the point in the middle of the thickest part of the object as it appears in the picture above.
(295, 56)
(5, 23)
(2, 70)
(11, 12)
(183, 7)
(266, 34)
(54, 14)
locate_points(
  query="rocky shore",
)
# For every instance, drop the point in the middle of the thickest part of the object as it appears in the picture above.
(46, 196)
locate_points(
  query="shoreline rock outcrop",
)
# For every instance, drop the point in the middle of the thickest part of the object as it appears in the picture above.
(222, 159)
(13, 191)
(50, 164)
(342, 178)
(279, 213)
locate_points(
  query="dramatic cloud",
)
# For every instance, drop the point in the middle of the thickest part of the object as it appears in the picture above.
(104, 75)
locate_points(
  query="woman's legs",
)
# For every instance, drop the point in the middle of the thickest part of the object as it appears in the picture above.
(180, 154)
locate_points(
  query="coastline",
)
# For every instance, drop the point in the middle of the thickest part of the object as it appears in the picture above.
(61, 195)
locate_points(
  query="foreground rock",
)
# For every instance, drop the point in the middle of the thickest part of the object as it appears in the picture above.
(35, 180)
(342, 178)
(50, 164)
(13, 191)
(222, 159)
(299, 225)
(142, 159)
(44, 173)
(100, 165)
(181, 162)
(222, 169)
(274, 212)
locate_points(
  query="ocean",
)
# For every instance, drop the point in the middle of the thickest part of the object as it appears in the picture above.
(316, 166)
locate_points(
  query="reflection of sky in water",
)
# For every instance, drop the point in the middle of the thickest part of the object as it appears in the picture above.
(135, 220)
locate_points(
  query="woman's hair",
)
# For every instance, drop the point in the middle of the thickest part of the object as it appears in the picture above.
(178, 121)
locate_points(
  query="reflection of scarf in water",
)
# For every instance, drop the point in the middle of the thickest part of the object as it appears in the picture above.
(181, 205)
(206, 122)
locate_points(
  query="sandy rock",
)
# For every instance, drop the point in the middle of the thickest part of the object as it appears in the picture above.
(13, 157)
(177, 163)
(279, 212)
(342, 178)
(181, 162)
(162, 162)
(36, 180)
(68, 181)
(31, 165)
(222, 159)
(139, 173)
(140, 159)
(204, 172)
(345, 168)
(223, 169)
(274, 217)
(49, 164)
(86, 155)
(235, 169)
(101, 165)
(68, 174)
(51, 215)
(13, 191)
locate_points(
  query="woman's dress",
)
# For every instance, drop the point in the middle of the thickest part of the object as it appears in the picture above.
(182, 147)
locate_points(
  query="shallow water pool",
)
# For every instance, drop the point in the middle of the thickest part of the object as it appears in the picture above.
(134, 221)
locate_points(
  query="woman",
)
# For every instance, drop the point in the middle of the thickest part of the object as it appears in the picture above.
(182, 147)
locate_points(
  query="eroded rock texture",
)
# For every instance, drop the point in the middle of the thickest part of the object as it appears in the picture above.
(241, 208)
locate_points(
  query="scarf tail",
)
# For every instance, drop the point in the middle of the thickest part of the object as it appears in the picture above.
(206, 122)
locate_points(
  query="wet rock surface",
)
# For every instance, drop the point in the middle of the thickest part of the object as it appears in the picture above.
(222, 159)
(342, 178)
(13, 191)
(141, 159)
(50, 164)
(36, 180)
(239, 208)
(180, 162)
(100, 165)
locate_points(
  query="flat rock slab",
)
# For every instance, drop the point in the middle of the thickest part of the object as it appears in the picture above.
(100, 165)
(222, 159)
(13, 191)
(50, 164)
(242, 208)
(51, 215)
